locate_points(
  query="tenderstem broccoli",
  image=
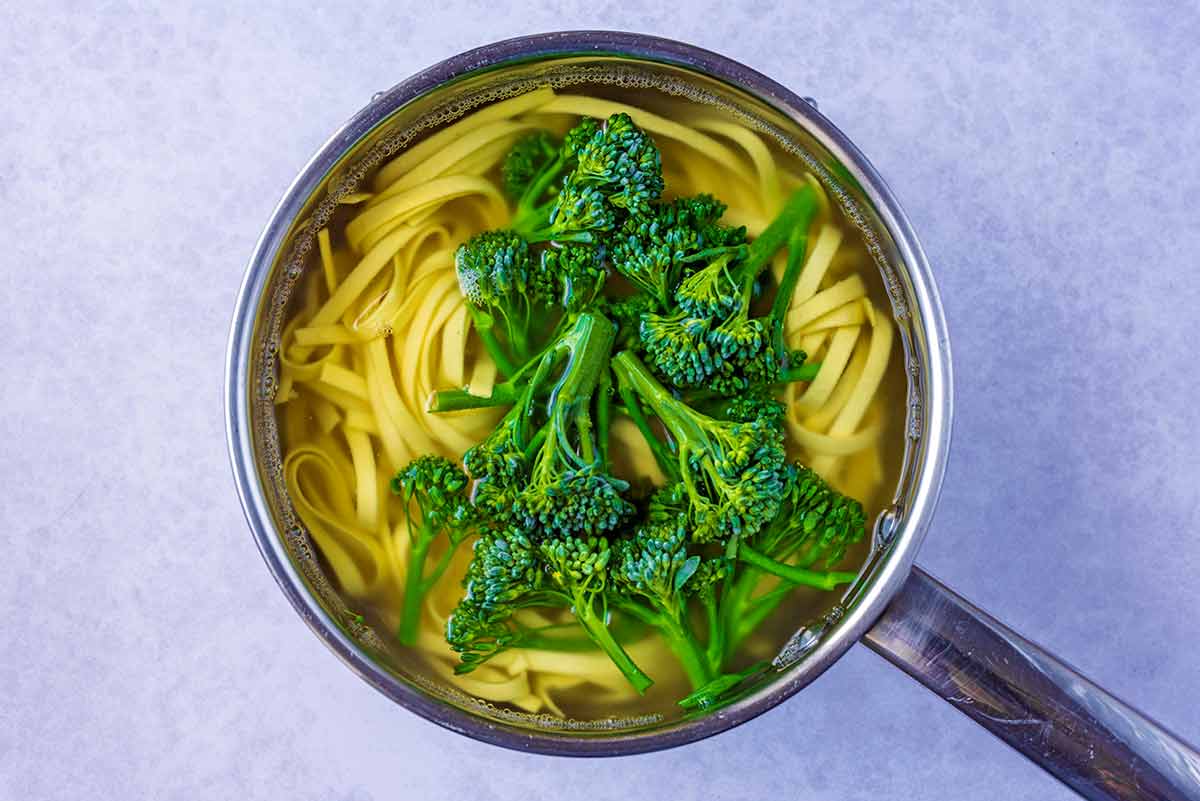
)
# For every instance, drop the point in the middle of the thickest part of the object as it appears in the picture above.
(733, 471)
(615, 170)
(569, 490)
(815, 526)
(652, 249)
(652, 573)
(711, 339)
(436, 506)
(497, 275)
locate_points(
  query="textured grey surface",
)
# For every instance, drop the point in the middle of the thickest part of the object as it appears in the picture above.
(1047, 158)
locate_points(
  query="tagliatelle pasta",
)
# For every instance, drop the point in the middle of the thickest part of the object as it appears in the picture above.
(383, 324)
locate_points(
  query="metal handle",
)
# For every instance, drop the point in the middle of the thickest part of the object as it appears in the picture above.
(1094, 743)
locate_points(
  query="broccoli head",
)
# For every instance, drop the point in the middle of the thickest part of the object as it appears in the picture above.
(497, 276)
(815, 524)
(712, 341)
(623, 160)
(653, 572)
(575, 274)
(652, 249)
(617, 172)
(533, 170)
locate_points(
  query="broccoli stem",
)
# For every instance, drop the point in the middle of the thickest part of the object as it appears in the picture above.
(604, 417)
(797, 245)
(518, 339)
(820, 579)
(455, 400)
(414, 591)
(506, 393)
(715, 649)
(583, 424)
(796, 212)
(741, 615)
(711, 693)
(635, 379)
(804, 372)
(690, 653)
(755, 612)
(679, 638)
(527, 208)
(443, 564)
(537, 441)
(552, 234)
(483, 327)
(598, 631)
(633, 409)
(733, 608)
(544, 638)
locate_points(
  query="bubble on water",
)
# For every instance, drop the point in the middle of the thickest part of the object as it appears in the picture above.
(886, 527)
(807, 638)
(267, 387)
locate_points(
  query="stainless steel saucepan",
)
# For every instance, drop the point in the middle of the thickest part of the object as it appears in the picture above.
(1039, 705)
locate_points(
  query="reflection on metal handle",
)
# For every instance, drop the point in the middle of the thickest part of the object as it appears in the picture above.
(1096, 744)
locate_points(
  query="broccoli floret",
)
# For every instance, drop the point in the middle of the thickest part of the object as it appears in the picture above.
(700, 214)
(667, 503)
(505, 575)
(578, 567)
(712, 341)
(569, 491)
(546, 465)
(611, 171)
(627, 313)
(651, 249)
(749, 407)
(677, 345)
(532, 157)
(574, 273)
(477, 635)
(653, 572)
(509, 572)
(616, 172)
(733, 471)
(624, 161)
(579, 135)
(497, 276)
(815, 524)
(499, 462)
(533, 171)
(433, 490)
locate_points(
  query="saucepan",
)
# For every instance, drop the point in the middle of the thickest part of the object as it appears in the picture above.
(1029, 698)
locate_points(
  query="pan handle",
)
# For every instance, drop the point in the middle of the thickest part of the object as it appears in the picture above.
(1096, 744)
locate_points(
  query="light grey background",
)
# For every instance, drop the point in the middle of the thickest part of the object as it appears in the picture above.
(1048, 159)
